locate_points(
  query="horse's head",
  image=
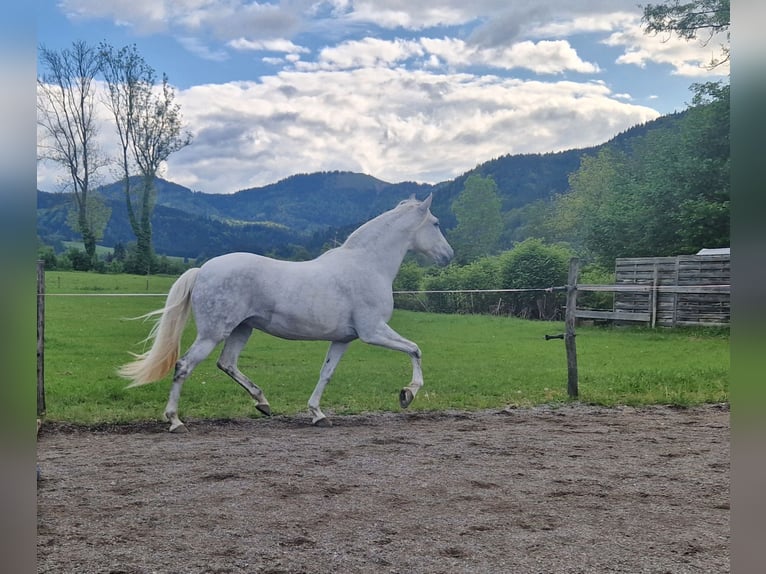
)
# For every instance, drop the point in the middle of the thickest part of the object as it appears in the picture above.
(428, 238)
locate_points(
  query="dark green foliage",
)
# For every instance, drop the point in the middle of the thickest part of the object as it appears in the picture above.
(78, 260)
(533, 264)
(409, 277)
(666, 194)
(479, 220)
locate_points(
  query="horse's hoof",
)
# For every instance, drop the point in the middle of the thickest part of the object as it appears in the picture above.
(264, 409)
(178, 428)
(405, 398)
(324, 422)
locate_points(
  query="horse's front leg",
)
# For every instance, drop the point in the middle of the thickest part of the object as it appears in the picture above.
(333, 357)
(385, 336)
(407, 394)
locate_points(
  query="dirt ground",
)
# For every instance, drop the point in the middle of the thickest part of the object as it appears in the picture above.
(574, 489)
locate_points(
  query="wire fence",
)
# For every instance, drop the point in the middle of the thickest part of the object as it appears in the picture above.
(533, 303)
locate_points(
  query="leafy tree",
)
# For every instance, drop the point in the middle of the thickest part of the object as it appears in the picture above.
(598, 216)
(479, 219)
(690, 19)
(150, 128)
(704, 207)
(97, 214)
(65, 113)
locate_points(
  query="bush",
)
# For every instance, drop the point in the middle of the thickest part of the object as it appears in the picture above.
(409, 277)
(48, 256)
(78, 259)
(482, 274)
(533, 264)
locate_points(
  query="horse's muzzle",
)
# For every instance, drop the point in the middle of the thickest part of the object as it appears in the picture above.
(445, 256)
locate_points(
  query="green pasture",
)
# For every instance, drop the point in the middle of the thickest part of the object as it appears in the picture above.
(469, 362)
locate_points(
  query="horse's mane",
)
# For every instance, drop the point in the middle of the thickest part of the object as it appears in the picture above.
(377, 226)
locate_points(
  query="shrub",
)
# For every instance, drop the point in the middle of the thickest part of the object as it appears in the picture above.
(533, 264)
(80, 261)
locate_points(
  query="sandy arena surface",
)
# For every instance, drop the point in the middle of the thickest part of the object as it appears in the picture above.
(575, 489)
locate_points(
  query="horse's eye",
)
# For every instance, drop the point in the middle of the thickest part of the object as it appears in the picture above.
(436, 224)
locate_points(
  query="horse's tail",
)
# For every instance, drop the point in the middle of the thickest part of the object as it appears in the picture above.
(166, 335)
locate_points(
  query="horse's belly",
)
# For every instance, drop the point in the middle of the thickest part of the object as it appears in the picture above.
(305, 327)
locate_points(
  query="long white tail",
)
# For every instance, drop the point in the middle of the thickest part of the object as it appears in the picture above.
(157, 362)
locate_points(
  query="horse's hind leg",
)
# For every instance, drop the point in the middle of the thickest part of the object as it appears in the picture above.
(227, 362)
(200, 349)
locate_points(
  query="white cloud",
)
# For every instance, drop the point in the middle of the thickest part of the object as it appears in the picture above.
(688, 58)
(277, 45)
(544, 57)
(369, 52)
(393, 124)
(411, 15)
(595, 22)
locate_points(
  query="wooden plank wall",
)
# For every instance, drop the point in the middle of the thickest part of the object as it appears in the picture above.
(670, 309)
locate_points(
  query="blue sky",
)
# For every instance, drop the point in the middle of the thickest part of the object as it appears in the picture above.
(401, 90)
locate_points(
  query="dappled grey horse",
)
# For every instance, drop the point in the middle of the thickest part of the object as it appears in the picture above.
(342, 295)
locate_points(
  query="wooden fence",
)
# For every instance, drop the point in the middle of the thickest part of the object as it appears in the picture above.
(667, 291)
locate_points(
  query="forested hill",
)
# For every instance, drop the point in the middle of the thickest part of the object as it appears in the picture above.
(304, 211)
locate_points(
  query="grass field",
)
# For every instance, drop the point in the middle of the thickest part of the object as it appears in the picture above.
(469, 362)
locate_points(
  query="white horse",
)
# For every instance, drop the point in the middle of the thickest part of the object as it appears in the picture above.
(342, 295)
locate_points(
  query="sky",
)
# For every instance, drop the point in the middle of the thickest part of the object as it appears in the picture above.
(400, 90)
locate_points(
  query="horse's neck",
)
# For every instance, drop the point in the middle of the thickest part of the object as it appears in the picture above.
(376, 243)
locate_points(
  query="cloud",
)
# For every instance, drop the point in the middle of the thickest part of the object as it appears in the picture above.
(687, 58)
(277, 45)
(411, 15)
(369, 52)
(586, 24)
(544, 57)
(222, 19)
(391, 123)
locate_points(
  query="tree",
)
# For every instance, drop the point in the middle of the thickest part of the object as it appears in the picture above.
(150, 128)
(479, 219)
(665, 195)
(65, 113)
(704, 211)
(689, 19)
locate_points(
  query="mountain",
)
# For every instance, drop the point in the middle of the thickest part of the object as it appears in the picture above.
(305, 211)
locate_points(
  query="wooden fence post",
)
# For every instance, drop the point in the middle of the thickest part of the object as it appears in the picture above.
(40, 338)
(569, 335)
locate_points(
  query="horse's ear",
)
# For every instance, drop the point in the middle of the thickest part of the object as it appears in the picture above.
(427, 202)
